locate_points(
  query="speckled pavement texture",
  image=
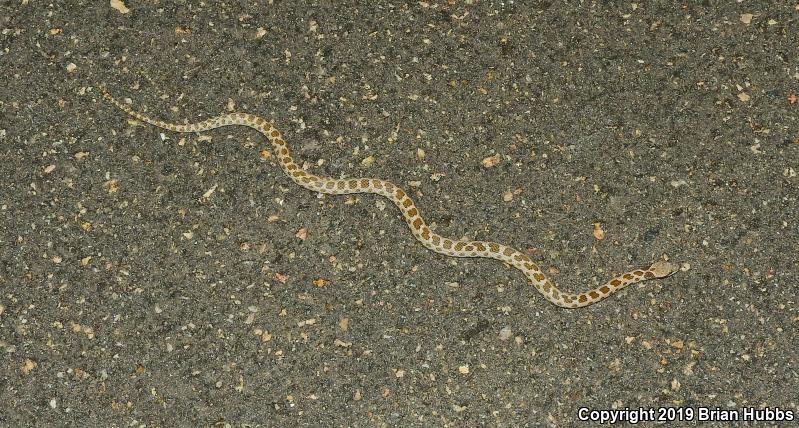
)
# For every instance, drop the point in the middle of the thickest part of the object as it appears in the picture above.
(149, 278)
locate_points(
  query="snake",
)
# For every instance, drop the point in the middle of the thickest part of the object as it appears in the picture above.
(410, 213)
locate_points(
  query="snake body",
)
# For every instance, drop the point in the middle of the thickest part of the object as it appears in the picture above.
(420, 230)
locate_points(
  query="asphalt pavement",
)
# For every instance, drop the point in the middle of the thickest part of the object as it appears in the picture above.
(150, 278)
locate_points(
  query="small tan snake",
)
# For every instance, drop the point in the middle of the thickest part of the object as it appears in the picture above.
(421, 231)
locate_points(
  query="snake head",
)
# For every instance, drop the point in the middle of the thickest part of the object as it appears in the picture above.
(663, 269)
